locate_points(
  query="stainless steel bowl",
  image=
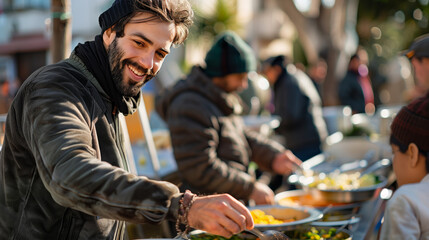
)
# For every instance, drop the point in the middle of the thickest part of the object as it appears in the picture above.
(347, 196)
(300, 197)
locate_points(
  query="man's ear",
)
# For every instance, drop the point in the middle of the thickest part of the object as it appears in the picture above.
(278, 69)
(108, 36)
(413, 154)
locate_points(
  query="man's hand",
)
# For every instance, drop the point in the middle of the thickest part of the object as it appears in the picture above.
(262, 194)
(285, 163)
(219, 214)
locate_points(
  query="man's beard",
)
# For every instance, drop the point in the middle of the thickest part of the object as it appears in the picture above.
(126, 88)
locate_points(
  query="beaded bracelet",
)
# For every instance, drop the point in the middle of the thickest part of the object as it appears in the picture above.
(185, 204)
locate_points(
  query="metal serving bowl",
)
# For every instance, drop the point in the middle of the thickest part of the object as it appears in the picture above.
(334, 214)
(300, 197)
(302, 215)
(347, 196)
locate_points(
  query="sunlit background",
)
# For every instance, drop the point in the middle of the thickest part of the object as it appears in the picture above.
(303, 30)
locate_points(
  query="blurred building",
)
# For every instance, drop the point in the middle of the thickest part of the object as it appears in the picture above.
(25, 37)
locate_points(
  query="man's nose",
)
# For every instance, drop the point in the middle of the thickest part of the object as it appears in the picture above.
(244, 83)
(146, 60)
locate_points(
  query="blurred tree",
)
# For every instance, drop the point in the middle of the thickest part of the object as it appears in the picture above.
(61, 29)
(388, 27)
(327, 30)
(210, 19)
(209, 23)
(332, 30)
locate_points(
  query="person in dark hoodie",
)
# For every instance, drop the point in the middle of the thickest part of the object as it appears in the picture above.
(355, 88)
(211, 144)
(63, 168)
(298, 104)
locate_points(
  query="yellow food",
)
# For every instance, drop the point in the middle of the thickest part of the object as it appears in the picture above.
(343, 181)
(259, 217)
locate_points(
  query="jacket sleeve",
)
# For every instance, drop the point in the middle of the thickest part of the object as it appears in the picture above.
(195, 138)
(58, 128)
(264, 150)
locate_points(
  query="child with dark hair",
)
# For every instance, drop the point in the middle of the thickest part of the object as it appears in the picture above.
(407, 213)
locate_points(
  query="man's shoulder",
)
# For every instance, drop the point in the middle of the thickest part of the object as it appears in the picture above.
(191, 99)
(61, 73)
(58, 77)
(61, 70)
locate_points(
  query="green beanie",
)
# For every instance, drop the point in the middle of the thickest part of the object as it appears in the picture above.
(229, 54)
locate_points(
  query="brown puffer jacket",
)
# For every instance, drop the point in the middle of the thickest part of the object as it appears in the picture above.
(211, 145)
(61, 165)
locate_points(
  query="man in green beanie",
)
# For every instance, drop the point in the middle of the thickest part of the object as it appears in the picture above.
(211, 145)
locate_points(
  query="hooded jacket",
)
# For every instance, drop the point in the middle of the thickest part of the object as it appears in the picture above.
(298, 104)
(350, 92)
(211, 145)
(62, 167)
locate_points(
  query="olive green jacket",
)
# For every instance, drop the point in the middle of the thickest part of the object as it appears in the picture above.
(212, 146)
(62, 165)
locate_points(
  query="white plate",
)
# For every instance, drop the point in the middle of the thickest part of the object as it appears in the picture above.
(350, 221)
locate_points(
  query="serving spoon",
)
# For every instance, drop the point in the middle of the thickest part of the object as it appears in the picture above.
(376, 166)
(268, 234)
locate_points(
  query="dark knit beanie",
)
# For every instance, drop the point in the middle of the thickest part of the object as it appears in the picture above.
(411, 124)
(229, 54)
(118, 10)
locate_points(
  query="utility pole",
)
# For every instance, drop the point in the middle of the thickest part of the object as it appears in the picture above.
(61, 30)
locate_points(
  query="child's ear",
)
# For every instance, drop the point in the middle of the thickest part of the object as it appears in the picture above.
(413, 154)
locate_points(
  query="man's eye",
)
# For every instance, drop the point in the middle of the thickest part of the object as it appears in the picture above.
(161, 54)
(138, 43)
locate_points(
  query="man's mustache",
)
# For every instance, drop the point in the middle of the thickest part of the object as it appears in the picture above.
(148, 72)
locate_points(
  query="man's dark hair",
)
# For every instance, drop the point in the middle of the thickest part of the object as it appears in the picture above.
(279, 60)
(178, 12)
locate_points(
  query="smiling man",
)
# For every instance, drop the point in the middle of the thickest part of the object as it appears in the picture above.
(63, 168)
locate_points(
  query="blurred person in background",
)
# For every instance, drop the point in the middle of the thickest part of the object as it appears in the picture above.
(211, 144)
(418, 54)
(297, 102)
(63, 168)
(317, 73)
(355, 89)
(407, 212)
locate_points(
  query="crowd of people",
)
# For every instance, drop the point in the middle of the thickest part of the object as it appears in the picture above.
(63, 167)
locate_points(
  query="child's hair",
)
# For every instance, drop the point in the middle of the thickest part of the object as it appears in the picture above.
(411, 125)
(403, 148)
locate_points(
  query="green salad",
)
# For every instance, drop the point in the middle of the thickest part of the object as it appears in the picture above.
(318, 234)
